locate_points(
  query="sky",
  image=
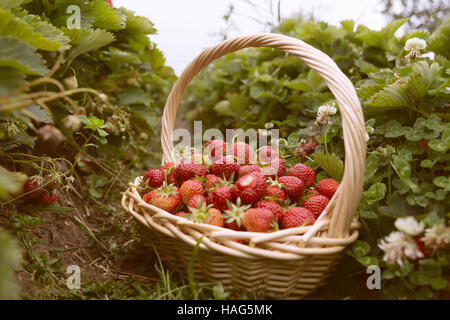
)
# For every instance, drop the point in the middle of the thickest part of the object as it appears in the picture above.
(186, 27)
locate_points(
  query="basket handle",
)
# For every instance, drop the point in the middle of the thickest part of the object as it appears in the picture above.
(348, 195)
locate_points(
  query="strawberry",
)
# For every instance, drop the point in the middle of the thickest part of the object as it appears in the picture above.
(266, 154)
(33, 183)
(279, 165)
(309, 147)
(269, 171)
(189, 189)
(248, 168)
(168, 170)
(303, 172)
(233, 226)
(297, 217)
(244, 153)
(258, 220)
(424, 144)
(147, 197)
(196, 201)
(53, 181)
(294, 187)
(251, 187)
(47, 198)
(234, 215)
(166, 197)
(212, 182)
(274, 193)
(216, 149)
(316, 204)
(206, 214)
(421, 246)
(276, 209)
(155, 178)
(215, 217)
(225, 168)
(219, 197)
(187, 169)
(181, 214)
(327, 187)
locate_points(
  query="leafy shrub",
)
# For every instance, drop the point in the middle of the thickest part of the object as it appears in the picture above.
(405, 99)
(51, 74)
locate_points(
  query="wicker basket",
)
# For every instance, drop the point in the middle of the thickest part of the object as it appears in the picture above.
(289, 263)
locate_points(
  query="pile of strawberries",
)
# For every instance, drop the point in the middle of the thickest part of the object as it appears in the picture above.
(236, 188)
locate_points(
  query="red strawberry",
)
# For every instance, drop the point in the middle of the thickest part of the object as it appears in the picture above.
(424, 144)
(53, 180)
(244, 153)
(294, 187)
(215, 217)
(233, 226)
(276, 209)
(181, 214)
(309, 147)
(219, 196)
(279, 165)
(196, 201)
(258, 220)
(275, 193)
(248, 168)
(266, 154)
(316, 204)
(212, 182)
(234, 215)
(216, 149)
(110, 3)
(327, 187)
(421, 246)
(147, 197)
(189, 189)
(47, 198)
(251, 188)
(297, 217)
(33, 183)
(303, 172)
(166, 197)
(206, 214)
(225, 168)
(155, 178)
(168, 170)
(187, 169)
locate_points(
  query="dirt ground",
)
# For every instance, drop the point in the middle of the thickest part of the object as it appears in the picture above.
(115, 253)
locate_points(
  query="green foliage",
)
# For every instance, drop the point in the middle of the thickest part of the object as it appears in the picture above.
(10, 261)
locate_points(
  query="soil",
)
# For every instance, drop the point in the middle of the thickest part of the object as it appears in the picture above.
(61, 237)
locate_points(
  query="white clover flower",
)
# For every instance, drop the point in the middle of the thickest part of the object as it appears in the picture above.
(324, 113)
(409, 225)
(399, 247)
(414, 46)
(268, 125)
(438, 236)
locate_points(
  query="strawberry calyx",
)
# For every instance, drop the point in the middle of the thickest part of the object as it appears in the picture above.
(200, 214)
(235, 212)
(167, 190)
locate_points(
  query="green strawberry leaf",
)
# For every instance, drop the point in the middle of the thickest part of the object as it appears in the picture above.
(331, 164)
(21, 56)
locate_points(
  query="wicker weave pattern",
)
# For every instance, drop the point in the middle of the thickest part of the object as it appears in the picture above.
(287, 263)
